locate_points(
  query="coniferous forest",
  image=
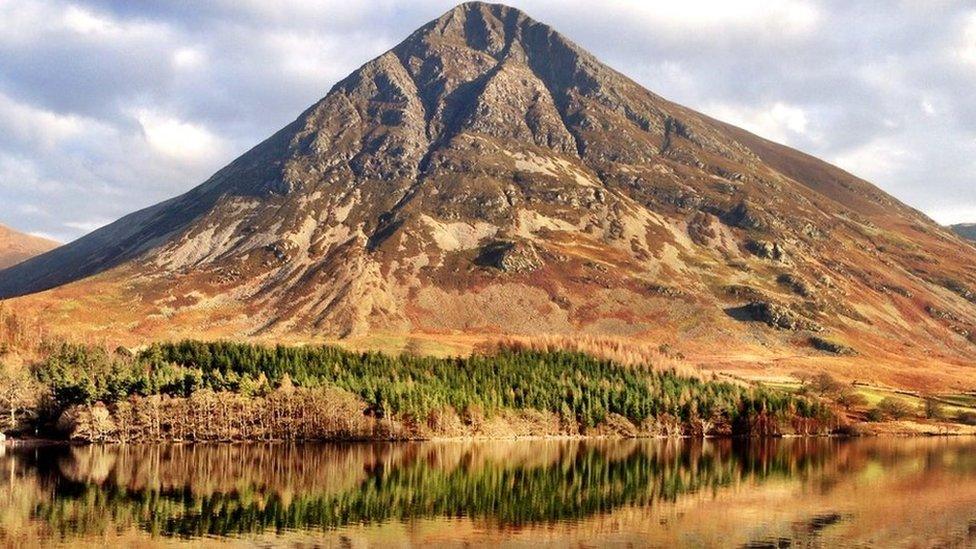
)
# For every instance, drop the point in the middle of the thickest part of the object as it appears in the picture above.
(197, 391)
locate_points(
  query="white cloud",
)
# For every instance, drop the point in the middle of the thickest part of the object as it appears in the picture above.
(38, 126)
(314, 57)
(333, 12)
(88, 225)
(20, 22)
(188, 58)
(877, 160)
(48, 236)
(15, 170)
(951, 215)
(177, 138)
(966, 47)
(85, 22)
(101, 26)
(686, 22)
(30, 209)
(782, 17)
(20, 175)
(27, 22)
(778, 122)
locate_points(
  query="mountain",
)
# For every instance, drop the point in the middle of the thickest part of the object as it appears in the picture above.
(488, 176)
(965, 230)
(16, 247)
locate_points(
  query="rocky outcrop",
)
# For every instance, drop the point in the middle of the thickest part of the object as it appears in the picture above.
(781, 317)
(516, 257)
(797, 285)
(832, 347)
(767, 250)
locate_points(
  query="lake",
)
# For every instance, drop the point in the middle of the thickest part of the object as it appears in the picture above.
(716, 493)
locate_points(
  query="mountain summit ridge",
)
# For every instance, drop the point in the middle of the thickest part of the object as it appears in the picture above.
(489, 176)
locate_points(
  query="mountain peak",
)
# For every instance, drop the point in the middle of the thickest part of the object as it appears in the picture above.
(478, 18)
(500, 11)
(490, 28)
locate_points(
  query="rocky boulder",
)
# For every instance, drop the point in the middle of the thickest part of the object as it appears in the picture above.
(780, 317)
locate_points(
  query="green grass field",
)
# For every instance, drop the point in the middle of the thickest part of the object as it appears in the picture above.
(953, 403)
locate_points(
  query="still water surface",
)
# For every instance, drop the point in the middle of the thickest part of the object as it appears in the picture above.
(770, 493)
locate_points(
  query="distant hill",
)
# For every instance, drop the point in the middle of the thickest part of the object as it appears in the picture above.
(16, 247)
(965, 230)
(488, 176)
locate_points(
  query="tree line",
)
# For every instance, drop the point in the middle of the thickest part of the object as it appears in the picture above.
(194, 390)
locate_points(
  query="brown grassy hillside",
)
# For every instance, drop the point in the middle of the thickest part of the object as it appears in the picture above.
(16, 247)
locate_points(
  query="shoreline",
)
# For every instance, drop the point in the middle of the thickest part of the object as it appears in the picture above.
(902, 434)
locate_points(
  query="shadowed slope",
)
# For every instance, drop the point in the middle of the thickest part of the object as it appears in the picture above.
(965, 230)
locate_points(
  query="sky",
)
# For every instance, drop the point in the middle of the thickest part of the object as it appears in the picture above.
(110, 106)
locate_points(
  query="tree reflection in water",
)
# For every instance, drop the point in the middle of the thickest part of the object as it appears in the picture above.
(192, 491)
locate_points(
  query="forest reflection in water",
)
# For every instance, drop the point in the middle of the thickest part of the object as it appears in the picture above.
(756, 493)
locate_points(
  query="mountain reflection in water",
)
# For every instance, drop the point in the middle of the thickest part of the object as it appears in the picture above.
(714, 493)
